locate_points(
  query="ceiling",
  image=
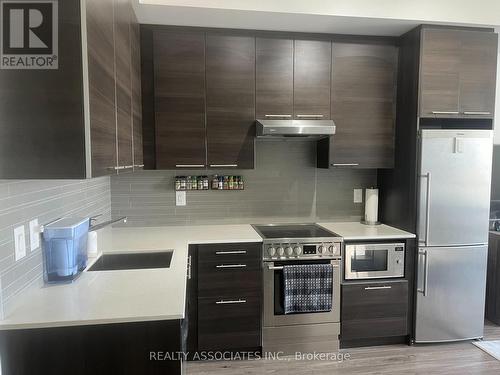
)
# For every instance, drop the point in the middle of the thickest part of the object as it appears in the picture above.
(381, 17)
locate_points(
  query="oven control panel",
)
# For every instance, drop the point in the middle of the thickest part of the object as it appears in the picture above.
(327, 250)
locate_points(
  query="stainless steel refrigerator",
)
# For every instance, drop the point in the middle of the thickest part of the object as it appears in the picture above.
(453, 212)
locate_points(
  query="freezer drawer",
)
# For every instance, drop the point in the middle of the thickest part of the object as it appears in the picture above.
(451, 285)
(454, 190)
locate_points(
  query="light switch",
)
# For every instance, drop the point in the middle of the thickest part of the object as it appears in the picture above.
(19, 242)
(358, 195)
(34, 235)
(180, 198)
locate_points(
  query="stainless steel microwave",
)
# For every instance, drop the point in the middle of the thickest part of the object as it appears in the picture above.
(374, 261)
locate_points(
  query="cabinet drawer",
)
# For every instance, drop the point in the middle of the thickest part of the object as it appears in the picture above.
(223, 278)
(229, 323)
(230, 252)
(374, 310)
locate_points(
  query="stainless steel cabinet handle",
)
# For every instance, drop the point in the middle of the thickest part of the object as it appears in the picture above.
(445, 112)
(118, 168)
(222, 302)
(305, 116)
(345, 164)
(477, 113)
(189, 268)
(223, 165)
(378, 287)
(231, 252)
(139, 165)
(271, 116)
(128, 167)
(426, 271)
(190, 166)
(427, 206)
(231, 266)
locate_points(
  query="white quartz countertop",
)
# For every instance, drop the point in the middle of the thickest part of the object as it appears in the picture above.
(103, 297)
(355, 231)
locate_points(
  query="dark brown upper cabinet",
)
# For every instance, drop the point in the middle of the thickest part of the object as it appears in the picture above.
(458, 73)
(274, 78)
(230, 93)
(123, 82)
(478, 74)
(69, 125)
(312, 74)
(179, 92)
(100, 40)
(135, 39)
(363, 105)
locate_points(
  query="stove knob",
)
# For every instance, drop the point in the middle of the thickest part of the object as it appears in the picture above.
(289, 251)
(271, 251)
(281, 251)
(331, 249)
(321, 249)
(297, 250)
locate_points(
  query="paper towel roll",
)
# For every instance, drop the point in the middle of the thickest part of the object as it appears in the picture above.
(371, 206)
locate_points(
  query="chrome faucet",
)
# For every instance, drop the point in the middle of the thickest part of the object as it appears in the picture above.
(105, 224)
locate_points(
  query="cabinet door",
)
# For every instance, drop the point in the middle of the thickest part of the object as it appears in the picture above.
(179, 78)
(136, 93)
(374, 310)
(274, 78)
(123, 83)
(478, 74)
(363, 105)
(312, 73)
(229, 322)
(100, 46)
(230, 65)
(440, 73)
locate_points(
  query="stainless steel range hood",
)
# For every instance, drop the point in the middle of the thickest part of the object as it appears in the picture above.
(310, 129)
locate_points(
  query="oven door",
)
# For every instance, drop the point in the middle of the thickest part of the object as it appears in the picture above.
(374, 261)
(273, 297)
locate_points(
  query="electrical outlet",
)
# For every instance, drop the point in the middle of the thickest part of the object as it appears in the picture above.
(34, 235)
(358, 195)
(180, 198)
(19, 242)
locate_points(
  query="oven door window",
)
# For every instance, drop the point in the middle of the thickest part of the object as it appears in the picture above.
(279, 286)
(369, 260)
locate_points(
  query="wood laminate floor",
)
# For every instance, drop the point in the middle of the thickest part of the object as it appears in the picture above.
(455, 358)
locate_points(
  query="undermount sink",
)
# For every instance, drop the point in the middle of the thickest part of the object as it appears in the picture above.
(132, 261)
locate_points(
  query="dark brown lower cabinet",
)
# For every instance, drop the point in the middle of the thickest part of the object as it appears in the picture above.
(493, 279)
(374, 311)
(124, 348)
(229, 322)
(225, 297)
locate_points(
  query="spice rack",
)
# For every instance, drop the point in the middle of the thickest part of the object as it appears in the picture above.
(215, 182)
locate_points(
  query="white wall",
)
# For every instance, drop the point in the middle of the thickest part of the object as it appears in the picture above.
(484, 12)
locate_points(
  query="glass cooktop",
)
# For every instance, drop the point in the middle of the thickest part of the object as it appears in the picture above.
(293, 231)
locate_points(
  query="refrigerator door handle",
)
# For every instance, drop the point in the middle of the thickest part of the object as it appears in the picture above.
(426, 271)
(427, 176)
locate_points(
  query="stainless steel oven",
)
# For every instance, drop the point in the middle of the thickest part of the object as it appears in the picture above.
(273, 296)
(373, 261)
(290, 244)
